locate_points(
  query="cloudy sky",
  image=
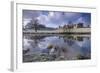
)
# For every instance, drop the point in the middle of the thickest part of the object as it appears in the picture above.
(56, 19)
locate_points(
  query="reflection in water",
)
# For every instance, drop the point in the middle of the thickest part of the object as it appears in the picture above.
(55, 47)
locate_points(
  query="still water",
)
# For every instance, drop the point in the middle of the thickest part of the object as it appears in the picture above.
(56, 47)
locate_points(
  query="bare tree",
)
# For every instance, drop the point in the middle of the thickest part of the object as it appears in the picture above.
(35, 24)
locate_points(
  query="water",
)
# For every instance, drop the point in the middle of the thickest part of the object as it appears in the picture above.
(56, 47)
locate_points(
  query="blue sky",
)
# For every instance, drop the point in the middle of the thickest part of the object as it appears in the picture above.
(56, 19)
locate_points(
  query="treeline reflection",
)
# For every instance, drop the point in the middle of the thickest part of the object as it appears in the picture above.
(55, 47)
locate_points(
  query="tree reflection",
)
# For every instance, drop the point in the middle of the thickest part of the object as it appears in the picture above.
(57, 47)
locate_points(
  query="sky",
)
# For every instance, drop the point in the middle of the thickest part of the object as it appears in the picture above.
(56, 18)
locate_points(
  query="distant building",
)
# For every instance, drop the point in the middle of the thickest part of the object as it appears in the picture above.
(69, 26)
(80, 25)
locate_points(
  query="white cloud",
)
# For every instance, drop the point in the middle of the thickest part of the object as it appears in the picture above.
(80, 20)
(55, 15)
(25, 21)
(43, 19)
(51, 14)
